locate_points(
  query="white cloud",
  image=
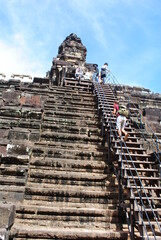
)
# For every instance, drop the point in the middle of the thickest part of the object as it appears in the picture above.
(15, 59)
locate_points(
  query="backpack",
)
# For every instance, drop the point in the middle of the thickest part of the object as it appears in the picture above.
(123, 111)
(103, 71)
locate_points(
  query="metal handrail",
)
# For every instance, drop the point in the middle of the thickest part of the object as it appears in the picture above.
(149, 222)
(112, 79)
(104, 100)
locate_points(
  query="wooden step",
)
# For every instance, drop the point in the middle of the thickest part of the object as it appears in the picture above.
(150, 179)
(136, 162)
(147, 170)
(132, 155)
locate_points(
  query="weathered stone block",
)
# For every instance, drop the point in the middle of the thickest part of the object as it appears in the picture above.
(17, 149)
(16, 135)
(31, 100)
(34, 137)
(10, 113)
(4, 133)
(3, 149)
(13, 197)
(11, 96)
(3, 234)
(7, 215)
(41, 80)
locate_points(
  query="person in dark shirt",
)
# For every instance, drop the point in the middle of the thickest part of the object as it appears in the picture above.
(95, 72)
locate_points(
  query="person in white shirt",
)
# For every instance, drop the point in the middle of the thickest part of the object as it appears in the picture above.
(78, 73)
(103, 73)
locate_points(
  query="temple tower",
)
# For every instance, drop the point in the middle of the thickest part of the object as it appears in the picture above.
(71, 53)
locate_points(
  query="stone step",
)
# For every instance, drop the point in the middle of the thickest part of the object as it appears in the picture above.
(67, 217)
(71, 115)
(79, 87)
(70, 182)
(75, 180)
(70, 195)
(67, 92)
(72, 107)
(21, 160)
(55, 91)
(70, 129)
(67, 164)
(68, 175)
(48, 136)
(12, 188)
(79, 222)
(73, 211)
(69, 154)
(67, 191)
(44, 201)
(10, 180)
(71, 121)
(50, 200)
(71, 103)
(70, 145)
(16, 112)
(11, 193)
(67, 233)
(13, 170)
(81, 101)
(23, 123)
(72, 187)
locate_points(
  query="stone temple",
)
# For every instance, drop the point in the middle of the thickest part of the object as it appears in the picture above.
(64, 174)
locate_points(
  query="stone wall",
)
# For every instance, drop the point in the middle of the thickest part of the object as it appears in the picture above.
(149, 103)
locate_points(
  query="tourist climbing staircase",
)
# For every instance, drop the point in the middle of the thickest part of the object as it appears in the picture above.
(64, 168)
(138, 174)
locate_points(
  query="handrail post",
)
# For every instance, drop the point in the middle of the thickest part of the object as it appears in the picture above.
(109, 145)
(119, 181)
(132, 217)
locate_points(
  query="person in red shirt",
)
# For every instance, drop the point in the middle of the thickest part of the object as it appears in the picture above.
(116, 108)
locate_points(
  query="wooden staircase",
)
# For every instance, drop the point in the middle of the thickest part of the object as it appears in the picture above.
(138, 174)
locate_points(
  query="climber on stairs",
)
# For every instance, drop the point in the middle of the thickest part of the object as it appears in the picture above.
(79, 74)
(103, 73)
(120, 122)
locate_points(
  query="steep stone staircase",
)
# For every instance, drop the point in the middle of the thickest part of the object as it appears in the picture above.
(137, 173)
(64, 182)
(70, 192)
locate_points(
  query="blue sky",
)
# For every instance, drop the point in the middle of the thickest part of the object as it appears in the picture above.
(124, 33)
